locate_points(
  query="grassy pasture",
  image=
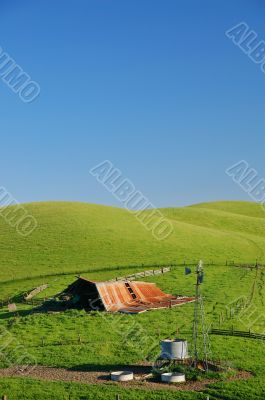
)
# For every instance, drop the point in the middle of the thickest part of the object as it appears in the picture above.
(29, 389)
(74, 236)
(110, 340)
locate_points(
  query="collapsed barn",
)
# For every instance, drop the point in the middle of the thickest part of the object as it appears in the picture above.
(122, 296)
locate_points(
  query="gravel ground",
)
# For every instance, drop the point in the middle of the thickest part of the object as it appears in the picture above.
(103, 377)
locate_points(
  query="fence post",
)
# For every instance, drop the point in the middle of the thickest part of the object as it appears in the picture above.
(117, 397)
(79, 339)
(4, 397)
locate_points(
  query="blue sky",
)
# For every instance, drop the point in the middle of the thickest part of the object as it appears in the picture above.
(154, 86)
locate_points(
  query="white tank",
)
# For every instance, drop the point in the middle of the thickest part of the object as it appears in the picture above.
(173, 377)
(121, 376)
(176, 349)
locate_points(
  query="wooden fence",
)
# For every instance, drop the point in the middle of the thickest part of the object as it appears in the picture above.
(158, 269)
(143, 274)
(184, 261)
(233, 332)
(36, 291)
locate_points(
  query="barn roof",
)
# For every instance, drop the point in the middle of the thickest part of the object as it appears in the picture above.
(133, 296)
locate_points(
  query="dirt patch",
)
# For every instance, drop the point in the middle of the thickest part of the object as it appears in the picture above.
(103, 377)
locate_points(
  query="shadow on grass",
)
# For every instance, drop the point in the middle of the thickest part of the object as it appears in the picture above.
(137, 369)
(21, 313)
(45, 308)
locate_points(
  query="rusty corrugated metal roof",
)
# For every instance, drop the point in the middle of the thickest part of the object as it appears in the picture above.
(136, 297)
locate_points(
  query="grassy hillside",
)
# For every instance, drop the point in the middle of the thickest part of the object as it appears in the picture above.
(78, 236)
(111, 340)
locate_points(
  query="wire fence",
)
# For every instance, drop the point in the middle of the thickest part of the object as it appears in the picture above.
(156, 270)
(74, 341)
(184, 261)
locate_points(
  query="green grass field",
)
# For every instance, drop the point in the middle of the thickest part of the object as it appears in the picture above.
(77, 236)
(73, 236)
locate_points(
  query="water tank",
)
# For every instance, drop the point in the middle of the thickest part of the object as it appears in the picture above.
(176, 349)
(121, 376)
(173, 377)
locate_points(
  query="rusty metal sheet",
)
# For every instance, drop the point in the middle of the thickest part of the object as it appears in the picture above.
(136, 297)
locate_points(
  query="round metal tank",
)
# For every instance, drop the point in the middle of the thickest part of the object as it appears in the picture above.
(173, 377)
(121, 376)
(174, 349)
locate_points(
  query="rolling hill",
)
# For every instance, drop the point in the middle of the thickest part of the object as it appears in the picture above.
(79, 236)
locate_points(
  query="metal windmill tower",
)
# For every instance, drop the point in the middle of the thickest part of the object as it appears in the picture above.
(200, 331)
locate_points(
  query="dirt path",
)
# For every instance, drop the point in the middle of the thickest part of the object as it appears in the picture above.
(91, 377)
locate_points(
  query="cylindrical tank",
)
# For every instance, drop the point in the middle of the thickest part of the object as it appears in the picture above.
(173, 377)
(121, 376)
(176, 349)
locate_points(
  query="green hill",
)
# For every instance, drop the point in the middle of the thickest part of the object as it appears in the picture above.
(79, 236)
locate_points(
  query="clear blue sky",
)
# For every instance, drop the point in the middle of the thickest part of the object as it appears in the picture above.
(155, 86)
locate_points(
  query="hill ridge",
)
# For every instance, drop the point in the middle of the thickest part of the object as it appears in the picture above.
(74, 235)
